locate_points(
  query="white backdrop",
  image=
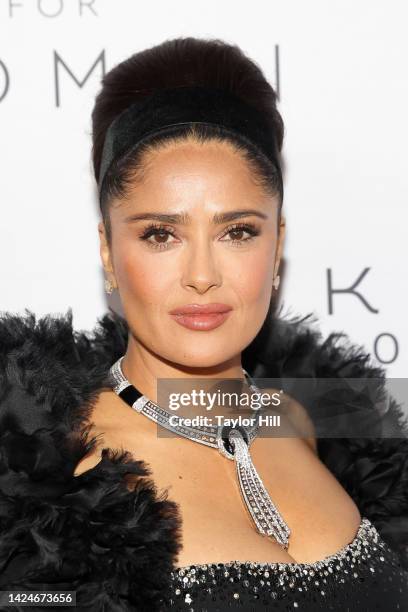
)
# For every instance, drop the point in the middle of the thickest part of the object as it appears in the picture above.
(341, 71)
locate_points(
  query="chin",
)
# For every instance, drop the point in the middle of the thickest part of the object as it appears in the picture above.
(201, 360)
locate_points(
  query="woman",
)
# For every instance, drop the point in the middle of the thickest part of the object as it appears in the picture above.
(187, 142)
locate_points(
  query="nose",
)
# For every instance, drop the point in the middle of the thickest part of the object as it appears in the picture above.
(201, 271)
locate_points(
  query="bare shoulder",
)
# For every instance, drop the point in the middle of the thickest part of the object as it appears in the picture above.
(298, 417)
(116, 426)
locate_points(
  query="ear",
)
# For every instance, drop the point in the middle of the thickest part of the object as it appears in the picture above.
(105, 253)
(281, 239)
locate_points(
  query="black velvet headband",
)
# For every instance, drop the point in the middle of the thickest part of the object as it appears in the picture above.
(167, 108)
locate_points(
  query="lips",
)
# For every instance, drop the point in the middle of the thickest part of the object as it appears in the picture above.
(195, 309)
(201, 317)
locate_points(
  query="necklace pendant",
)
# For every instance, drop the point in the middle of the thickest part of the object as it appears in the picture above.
(263, 511)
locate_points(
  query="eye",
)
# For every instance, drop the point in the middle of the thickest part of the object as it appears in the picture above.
(237, 232)
(160, 232)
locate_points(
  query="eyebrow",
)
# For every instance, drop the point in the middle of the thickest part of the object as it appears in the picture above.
(184, 218)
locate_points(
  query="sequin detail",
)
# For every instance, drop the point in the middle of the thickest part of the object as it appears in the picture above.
(364, 570)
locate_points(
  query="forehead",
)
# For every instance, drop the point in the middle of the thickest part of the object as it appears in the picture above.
(210, 168)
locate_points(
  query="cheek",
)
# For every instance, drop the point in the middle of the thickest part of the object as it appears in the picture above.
(140, 277)
(253, 278)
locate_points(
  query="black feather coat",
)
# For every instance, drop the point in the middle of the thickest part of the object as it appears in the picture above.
(116, 545)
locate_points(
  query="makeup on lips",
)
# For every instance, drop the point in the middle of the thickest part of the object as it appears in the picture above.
(201, 317)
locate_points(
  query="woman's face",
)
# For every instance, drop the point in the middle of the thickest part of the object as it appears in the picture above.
(196, 257)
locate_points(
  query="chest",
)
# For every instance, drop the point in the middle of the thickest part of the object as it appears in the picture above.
(216, 526)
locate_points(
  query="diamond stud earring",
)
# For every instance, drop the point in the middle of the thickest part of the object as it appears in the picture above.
(108, 286)
(276, 281)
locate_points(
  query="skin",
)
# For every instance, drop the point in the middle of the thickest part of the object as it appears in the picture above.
(201, 263)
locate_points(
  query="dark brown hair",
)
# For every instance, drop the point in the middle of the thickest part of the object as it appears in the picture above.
(176, 63)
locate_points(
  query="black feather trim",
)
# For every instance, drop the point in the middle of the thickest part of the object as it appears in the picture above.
(113, 545)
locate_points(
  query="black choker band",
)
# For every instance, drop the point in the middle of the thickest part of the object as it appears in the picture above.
(185, 105)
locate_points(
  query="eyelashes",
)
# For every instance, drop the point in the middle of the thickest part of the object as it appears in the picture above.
(163, 231)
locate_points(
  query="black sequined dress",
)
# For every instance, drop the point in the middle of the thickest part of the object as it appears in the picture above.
(364, 576)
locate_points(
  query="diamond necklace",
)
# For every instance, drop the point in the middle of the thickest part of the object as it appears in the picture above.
(232, 442)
